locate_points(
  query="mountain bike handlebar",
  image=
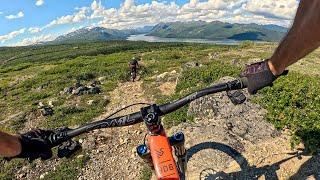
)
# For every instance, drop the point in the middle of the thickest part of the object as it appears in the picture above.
(134, 118)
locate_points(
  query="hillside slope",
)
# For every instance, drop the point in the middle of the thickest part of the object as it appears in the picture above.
(218, 31)
(93, 34)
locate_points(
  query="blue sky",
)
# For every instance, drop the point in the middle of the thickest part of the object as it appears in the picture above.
(25, 22)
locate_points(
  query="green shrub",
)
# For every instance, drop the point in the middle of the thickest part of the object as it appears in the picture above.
(294, 103)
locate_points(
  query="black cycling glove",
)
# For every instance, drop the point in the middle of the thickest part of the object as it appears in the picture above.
(35, 144)
(259, 76)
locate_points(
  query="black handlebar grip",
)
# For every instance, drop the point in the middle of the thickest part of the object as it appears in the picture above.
(60, 136)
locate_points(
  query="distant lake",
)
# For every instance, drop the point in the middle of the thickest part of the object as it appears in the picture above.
(143, 37)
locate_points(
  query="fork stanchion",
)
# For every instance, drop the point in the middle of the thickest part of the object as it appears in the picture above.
(178, 142)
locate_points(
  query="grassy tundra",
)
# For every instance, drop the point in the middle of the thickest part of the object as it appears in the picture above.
(29, 75)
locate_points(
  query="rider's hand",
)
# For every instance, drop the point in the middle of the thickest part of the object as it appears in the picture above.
(259, 76)
(35, 144)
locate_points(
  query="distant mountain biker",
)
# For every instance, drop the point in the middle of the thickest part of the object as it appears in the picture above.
(303, 38)
(134, 65)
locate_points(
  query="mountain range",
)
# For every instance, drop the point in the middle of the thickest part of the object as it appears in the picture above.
(215, 30)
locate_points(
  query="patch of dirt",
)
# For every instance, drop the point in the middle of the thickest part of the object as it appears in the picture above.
(113, 155)
(167, 88)
(33, 121)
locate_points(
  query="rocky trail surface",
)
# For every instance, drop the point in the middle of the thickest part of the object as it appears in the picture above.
(113, 150)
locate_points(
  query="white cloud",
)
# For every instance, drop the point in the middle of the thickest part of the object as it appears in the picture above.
(74, 18)
(39, 2)
(34, 30)
(1, 12)
(278, 12)
(19, 15)
(11, 35)
(283, 9)
(35, 40)
(130, 15)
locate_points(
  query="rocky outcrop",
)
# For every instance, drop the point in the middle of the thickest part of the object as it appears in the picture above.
(222, 131)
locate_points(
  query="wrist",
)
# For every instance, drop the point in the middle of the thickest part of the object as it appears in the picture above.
(275, 68)
(19, 145)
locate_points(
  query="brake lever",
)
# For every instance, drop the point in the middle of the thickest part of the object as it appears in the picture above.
(68, 149)
(236, 97)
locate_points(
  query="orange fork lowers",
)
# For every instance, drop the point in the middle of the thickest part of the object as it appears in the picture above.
(163, 161)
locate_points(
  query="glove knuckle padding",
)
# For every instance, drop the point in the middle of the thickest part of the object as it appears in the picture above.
(35, 145)
(259, 76)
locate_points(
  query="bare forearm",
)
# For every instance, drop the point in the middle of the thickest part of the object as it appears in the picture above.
(303, 37)
(9, 145)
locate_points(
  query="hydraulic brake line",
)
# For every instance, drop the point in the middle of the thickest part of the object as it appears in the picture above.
(116, 112)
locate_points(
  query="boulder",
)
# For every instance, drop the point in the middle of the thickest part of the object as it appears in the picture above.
(246, 120)
(80, 90)
(94, 90)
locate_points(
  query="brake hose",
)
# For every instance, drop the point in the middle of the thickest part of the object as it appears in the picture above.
(135, 104)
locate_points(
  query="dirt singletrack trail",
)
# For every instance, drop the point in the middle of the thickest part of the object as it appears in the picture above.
(114, 155)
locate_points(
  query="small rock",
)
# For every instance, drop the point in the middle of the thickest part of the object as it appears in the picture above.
(40, 105)
(229, 126)
(134, 150)
(80, 141)
(123, 141)
(173, 72)
(80, 156)
(25, 168)
(22, 175)
(90, 102)
(68, 90)
(102, 78)
(43, 175)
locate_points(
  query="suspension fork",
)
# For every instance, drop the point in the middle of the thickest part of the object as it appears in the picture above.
(159, 146)
(178, 142)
